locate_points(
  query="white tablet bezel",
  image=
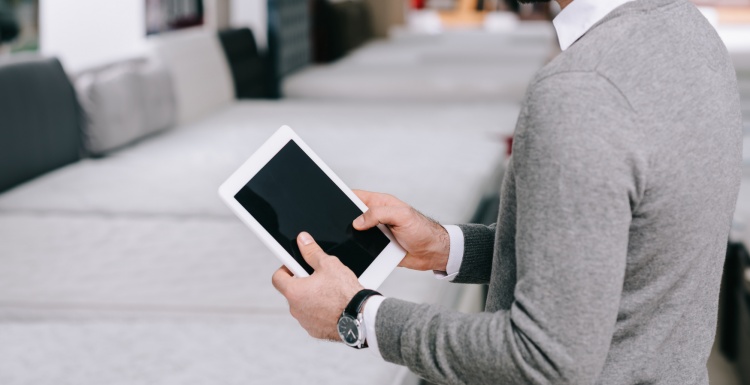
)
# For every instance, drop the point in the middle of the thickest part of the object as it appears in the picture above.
(371, 278)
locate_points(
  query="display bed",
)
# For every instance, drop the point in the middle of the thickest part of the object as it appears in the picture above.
(165, 284)
(430, 156)
(456, 65)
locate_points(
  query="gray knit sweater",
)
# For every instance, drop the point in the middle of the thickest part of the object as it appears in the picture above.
(605, 263)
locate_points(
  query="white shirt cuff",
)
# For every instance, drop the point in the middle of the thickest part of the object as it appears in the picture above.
(370, 316)
(455, 255)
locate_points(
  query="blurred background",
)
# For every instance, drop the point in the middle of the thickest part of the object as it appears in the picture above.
(120, 119)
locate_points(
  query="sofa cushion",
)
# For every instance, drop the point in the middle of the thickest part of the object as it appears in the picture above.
(113, 114)
(125, 102)
(41, 122)
(340, 26)
(247, 65)
(199, 69)
(157, 97)
(289, 45)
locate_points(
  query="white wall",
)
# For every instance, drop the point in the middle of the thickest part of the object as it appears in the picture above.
(87, 33)
(253, 14)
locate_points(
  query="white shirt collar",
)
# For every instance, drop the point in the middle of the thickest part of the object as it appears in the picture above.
(580, 15)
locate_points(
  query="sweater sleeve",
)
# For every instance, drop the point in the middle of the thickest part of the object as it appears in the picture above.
(476, 264)
(575, 184)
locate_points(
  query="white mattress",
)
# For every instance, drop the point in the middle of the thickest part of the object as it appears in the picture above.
(456, 66)
(271, 349)
(369, 147)
(149, 264)
(128, 269)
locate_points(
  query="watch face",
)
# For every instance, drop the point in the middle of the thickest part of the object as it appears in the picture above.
(348, 330)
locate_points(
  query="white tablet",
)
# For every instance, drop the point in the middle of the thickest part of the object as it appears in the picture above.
(284, 189)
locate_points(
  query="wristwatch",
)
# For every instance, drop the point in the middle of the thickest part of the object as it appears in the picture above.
(351, 323)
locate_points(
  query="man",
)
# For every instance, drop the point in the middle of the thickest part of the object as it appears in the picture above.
(605, 263)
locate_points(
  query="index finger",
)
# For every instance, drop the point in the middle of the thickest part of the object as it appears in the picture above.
(372, 199)
(365, 196)
(282, 279)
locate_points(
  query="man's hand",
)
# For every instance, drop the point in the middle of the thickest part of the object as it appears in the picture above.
(427, 242)
(318, 301)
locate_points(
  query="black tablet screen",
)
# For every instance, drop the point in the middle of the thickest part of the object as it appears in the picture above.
(291, 194)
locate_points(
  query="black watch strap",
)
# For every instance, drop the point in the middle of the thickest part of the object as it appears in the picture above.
(355, 305)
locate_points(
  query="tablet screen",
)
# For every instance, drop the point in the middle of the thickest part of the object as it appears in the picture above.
(291, 194)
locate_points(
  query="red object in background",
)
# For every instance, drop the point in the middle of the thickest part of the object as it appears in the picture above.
(509, 144)
(417, 4)
(508, 140)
